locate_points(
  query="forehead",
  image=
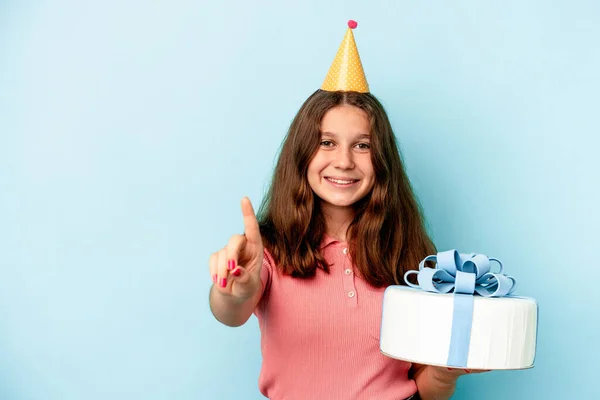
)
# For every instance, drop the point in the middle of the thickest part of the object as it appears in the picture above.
(345, 120)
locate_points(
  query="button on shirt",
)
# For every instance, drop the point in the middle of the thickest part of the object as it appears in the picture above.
(320, 336)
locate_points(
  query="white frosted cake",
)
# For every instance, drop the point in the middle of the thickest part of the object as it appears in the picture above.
(416, 326)
(468, 331)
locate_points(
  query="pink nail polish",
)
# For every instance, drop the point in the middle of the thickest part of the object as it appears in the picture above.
(223, 282)
(215, 278)
(237, 272)
(231, 264)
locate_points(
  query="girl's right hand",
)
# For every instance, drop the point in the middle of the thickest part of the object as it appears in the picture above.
(235, 269)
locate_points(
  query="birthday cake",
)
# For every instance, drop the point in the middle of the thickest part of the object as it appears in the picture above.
(459, 314)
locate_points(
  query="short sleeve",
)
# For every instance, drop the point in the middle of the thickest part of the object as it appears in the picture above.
(266, 271)
(266, 277)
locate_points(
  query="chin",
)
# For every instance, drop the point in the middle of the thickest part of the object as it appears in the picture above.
(340, 204)
(337, 202)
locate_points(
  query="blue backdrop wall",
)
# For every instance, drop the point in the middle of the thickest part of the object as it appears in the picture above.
(130, 130)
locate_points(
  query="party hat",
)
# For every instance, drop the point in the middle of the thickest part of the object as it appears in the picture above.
(346, 72)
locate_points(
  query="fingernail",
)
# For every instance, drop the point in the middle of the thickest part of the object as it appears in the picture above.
(468, 371)
(449, 369)
(230, 264)
(215, 278)
(237, 272)
(223, 282)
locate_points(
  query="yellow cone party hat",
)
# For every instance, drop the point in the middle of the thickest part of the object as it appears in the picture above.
(346, 72)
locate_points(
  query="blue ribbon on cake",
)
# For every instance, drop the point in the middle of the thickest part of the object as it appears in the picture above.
(466, 275)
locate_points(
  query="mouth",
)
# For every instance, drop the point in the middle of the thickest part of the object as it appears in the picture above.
(341, 182)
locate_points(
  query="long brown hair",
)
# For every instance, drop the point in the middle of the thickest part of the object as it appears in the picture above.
(387, 236)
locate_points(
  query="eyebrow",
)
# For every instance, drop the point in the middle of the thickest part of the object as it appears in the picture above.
(359, 136)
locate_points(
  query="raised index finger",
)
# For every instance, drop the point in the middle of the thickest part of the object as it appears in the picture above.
(251, 228)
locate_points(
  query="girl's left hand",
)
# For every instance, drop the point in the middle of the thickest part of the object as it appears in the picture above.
(438, 382)
(452, 374)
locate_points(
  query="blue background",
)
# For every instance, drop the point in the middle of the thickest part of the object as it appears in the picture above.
(130, 130)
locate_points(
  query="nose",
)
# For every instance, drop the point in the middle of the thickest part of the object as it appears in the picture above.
(343, 159)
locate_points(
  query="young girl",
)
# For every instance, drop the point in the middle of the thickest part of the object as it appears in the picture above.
(339, 224)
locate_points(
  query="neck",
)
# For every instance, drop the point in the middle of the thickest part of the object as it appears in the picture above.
(337, 221)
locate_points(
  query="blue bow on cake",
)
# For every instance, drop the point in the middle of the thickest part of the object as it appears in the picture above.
(465, 275)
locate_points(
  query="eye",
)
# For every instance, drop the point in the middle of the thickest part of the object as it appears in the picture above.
(326, 143)
(363, 146)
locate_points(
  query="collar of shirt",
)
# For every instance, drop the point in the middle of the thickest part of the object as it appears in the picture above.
(328, 240)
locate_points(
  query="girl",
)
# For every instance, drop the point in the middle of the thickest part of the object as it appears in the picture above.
(339, 224)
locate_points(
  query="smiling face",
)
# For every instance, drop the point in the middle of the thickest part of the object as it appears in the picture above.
(341, 172)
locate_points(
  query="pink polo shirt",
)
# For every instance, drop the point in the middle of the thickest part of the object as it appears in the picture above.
(320, 337)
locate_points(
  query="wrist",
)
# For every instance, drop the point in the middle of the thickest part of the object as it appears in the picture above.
(227, 298)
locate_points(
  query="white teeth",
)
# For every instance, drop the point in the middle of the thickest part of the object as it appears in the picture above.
(339, 181)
